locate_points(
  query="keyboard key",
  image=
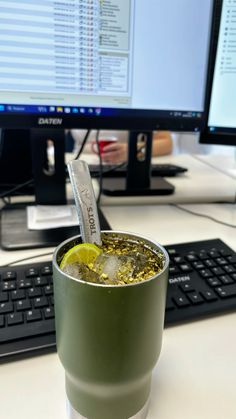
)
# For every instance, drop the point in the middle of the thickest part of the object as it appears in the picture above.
(205, 273)
(14, 318)
(226, 291)
(48, 290)
(209, 263)
(25, 283)
(178, 259)
(229, 269)
(214, 282)
(191, 257)
(232, 258)
(209, 295)
(217, 271)
(8, 285)
(6, 276)
(31, 273)
(46, 270)
(195, 298)
(198, 265)
(23, 305)
(6, 308)
(225, 252)
(40, 302)
(33, 315)
(17, 295)
(172, 252)
(187, 287)
(181, 301)
(221, 261)
(4, 297)
(41, 281)
(213, 253)
(185, 267)
(173, 270)
(34, 292)
(226, 279)
(203, 255)
(49, 313)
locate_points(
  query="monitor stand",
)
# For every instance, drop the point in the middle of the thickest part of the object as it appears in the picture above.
(49, 190)
(138, 181)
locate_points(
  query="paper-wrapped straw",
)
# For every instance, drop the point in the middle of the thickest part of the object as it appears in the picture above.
(85, 201)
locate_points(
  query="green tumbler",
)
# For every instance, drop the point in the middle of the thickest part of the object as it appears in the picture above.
(109, 338)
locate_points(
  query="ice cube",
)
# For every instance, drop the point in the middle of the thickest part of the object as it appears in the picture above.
(107, 265)
(114, 267)
(111, 266)
(72, 269)
(140, 262)
(81, 271)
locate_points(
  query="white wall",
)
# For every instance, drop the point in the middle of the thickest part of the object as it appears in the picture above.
(189, 143)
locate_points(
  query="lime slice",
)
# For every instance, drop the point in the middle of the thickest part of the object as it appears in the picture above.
(83, 253)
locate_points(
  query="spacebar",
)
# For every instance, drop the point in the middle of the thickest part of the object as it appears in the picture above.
(27, 330)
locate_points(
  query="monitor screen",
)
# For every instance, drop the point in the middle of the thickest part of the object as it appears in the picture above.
(221, 89)
(120, 64)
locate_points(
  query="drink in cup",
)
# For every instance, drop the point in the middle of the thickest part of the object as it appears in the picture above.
(103, 142)
(109, 306)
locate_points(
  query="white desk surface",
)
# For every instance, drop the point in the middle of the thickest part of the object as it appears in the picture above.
(227, 164)
(203, 182)
(195, 375)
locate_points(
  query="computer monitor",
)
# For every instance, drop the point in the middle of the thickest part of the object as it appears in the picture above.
(118, 64)
(221, 87)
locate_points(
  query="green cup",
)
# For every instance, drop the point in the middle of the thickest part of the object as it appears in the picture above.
(109, 338)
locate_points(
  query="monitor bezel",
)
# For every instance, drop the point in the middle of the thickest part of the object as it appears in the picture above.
(221, 136)
(207, 137)
(117, 122)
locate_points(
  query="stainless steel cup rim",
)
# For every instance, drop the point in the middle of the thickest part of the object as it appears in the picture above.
(73, 414)
(148, 240)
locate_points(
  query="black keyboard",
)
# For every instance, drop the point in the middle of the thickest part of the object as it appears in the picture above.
(26, 309)
(202, 282)
(120, 171)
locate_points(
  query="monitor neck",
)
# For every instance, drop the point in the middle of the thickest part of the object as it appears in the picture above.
(49, 170)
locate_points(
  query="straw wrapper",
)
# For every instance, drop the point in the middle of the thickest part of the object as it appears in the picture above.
(85, 201)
